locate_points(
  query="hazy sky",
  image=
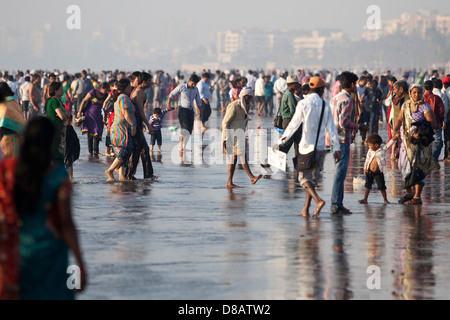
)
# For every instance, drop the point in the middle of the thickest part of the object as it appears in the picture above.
(183, 18)
(184, 24)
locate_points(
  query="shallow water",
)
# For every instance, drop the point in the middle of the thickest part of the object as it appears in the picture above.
(185, 236)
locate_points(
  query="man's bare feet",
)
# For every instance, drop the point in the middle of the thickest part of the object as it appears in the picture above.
(319, 208)
(386, 202)
(110, 175)
(256, 179)
(304, 213)
(363, 201)
(232, 186)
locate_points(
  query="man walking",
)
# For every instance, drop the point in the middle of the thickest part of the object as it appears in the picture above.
(343, 105)
(310, 114)
(288, 106)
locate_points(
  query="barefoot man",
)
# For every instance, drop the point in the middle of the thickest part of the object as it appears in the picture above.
(311, 112)
(234, 125)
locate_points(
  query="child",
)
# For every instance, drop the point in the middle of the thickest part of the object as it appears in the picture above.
(72, 147)
(375, 165)
(155, 121)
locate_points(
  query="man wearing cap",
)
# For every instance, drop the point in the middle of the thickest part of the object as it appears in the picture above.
(288, 104)
(343, 105)
(308, 116)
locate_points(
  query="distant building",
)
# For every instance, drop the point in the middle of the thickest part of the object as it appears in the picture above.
(410, 23)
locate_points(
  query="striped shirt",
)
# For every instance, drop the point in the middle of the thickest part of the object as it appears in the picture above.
(155, 122)
(120, 128)
(342, 105)
(187, 96)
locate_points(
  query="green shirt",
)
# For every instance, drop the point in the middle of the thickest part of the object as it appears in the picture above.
(288, 104)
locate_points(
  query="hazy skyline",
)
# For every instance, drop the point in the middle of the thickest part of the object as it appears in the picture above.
(188, 24)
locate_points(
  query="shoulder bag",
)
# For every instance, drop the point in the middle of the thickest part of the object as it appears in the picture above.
(306, 162)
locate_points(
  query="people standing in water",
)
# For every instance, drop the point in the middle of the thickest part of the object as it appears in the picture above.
(142, 150)
(91, 107)
(123, 129)
(234, 125)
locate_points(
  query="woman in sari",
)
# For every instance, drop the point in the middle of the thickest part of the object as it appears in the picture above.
(12, 122)
(37, 200)
(58, 115)
(415, 126)
(91, 107)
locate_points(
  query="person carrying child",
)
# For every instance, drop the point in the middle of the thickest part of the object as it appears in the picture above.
(375, 165)
(155, 122)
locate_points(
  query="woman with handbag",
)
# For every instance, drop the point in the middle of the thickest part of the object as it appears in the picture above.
(315, 116)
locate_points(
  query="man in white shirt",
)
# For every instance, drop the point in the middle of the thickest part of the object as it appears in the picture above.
(308, 112)
(279, 87)
(260, 95)
(25, 97)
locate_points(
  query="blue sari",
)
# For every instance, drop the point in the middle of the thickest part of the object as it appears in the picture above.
(45, 257)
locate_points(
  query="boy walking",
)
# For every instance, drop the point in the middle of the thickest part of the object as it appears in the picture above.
(375, 165)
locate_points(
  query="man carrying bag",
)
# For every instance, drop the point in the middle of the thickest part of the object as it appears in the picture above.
(316, 117)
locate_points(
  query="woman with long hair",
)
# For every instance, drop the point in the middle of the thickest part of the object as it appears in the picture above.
(37, 197)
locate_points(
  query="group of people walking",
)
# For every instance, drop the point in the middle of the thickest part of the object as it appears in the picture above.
(37, 229)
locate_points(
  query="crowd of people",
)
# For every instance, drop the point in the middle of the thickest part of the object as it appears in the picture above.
(39, 144)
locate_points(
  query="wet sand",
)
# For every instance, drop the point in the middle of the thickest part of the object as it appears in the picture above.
(185, 236)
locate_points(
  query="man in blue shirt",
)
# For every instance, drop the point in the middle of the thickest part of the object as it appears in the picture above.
(205, 95)
(189, 99)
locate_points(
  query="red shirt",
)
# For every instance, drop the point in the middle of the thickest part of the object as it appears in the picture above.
(437, 105)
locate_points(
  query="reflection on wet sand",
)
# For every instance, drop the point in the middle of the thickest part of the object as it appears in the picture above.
(185, 236)
(338, 279)
(413, 275)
